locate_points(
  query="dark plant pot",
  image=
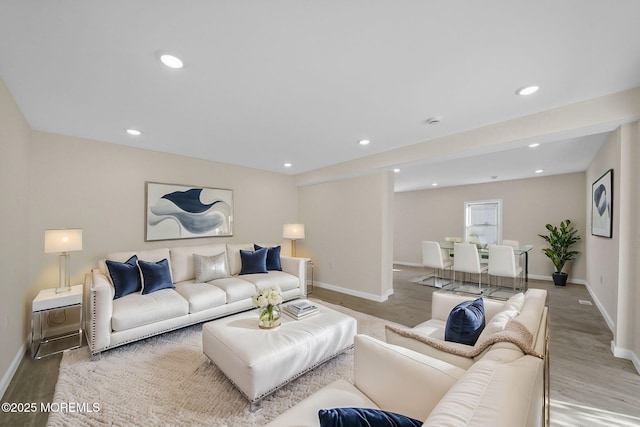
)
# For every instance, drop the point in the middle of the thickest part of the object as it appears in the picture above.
(560, 279)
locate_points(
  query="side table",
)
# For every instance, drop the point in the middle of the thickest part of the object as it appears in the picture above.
(310, 283)
(56, 322)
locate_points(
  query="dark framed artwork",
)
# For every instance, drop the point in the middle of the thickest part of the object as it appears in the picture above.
(186, 212)
(602, 205)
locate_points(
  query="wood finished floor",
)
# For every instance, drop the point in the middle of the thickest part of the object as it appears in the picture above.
(589, 387)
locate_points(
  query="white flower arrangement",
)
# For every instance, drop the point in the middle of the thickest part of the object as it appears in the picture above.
(269, 301)
(267, 297)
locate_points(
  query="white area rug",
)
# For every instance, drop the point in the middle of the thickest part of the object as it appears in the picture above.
(166, 381)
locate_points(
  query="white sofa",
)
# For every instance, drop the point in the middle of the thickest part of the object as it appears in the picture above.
(113, 322)
(502, 387)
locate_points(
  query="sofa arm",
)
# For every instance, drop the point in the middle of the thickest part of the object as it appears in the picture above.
(297, 267)
(99, 309)
(401, 380)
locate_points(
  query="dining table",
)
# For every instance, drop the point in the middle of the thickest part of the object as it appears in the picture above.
(483, 250)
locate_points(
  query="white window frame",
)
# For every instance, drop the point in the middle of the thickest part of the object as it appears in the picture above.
(468, 225)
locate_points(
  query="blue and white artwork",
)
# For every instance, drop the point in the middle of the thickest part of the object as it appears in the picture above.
(183, 212)
(602, 205)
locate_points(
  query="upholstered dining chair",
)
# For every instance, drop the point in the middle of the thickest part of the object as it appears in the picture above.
(467, 260)
(432, 258)
(515, 245)
(502, 263)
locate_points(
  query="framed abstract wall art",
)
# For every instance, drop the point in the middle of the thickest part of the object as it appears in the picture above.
(186, 212)
(602, 205)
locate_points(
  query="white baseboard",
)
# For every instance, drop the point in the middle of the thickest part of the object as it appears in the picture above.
(359, 294)
(13, 367)
(531, 276)
(624, 353)
(603, 312)
(408, 264)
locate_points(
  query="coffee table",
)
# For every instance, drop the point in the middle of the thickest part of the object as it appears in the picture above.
(259, 361)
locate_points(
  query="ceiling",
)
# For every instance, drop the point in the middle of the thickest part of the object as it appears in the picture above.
(269, 82)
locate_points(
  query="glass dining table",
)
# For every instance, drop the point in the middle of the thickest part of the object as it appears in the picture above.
(483, 250)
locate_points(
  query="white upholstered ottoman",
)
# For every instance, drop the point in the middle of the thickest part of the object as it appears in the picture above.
(259, 361)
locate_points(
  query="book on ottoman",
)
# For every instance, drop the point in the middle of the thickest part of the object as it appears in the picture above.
(298, 310)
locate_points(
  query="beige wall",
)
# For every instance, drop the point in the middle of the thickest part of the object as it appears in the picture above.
(614, 264)
(55, 181)
(348, 227)
(100, 188)
(527, 205)
(602, 252)
(14, 229)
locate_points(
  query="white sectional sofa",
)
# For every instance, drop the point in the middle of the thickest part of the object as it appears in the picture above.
(501, 387)
(113, 322)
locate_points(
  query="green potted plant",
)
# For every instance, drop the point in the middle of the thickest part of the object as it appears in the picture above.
(560, 240)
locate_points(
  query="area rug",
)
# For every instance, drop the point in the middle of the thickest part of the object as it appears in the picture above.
(166, 380)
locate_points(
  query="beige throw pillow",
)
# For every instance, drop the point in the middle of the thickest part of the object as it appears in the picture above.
(208, 268)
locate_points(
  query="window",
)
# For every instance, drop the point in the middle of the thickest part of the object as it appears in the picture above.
(483, 222)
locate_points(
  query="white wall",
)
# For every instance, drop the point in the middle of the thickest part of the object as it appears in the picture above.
(14, 231)
(348, 227)
(527, 205)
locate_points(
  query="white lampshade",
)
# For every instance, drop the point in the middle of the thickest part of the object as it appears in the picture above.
(293, 231)
(63, 240)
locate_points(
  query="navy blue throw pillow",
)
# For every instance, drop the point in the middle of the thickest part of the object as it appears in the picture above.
(364, 417)
(465, 322)
(125, 276)
(155, 276)
(273, 257)
(254, 262)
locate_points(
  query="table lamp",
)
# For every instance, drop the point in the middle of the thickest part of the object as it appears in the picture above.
(63, 242)
(293, 232)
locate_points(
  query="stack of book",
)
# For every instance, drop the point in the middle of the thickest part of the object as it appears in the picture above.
(300, 309)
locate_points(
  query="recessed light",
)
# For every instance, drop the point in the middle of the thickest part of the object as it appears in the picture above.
(171, 61)
(364, 142)
(538, 171)
(396, 170)
(288, 165)
(527, 90)
(134, 132)
(433, 120)
(435, 184)
(534, 145)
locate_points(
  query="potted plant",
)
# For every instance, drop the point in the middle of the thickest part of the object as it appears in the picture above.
(560, 240)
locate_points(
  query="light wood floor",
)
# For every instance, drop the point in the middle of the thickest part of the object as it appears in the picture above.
(589, 387)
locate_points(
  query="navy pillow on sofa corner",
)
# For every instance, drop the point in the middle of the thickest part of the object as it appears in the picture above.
(155, 276)
(364, 417)
(465, 322)
(125, 276)
(273, 257)
(254, 262)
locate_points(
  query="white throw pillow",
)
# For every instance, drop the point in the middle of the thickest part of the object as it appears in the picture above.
(208, 268)
(510, 310)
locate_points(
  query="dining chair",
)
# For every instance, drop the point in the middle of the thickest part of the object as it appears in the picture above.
(515, 245)
(502, 263)
(467, 260)
(432, 258)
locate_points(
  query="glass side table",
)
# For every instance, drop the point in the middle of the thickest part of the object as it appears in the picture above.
(56, 322)
(309, 282)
